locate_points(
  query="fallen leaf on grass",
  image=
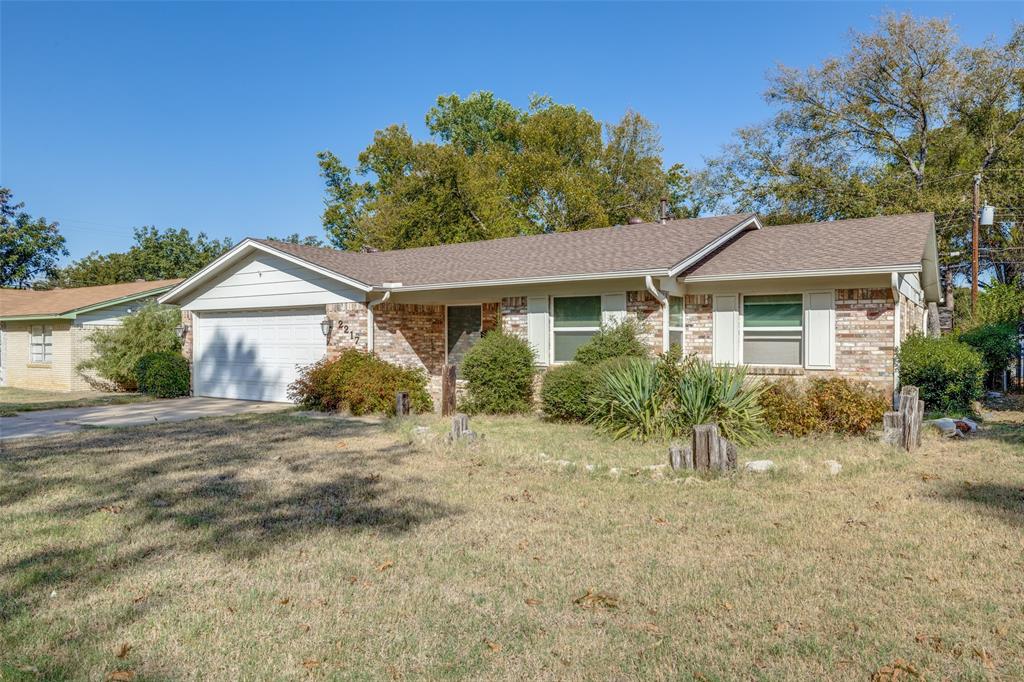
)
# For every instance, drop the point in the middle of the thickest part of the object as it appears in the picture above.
(123, 651)
(897, 671)
(533, 602)
(929, 477)
(310, 663)
(931, 641)
(111, 508)
(492, 645)
(121, 676)
(141, 597)
(342, 444)
(353, 579)
(284, 601)
(304, 627)
(386, 565)
(781, 627)
(727, 606)
(592, 600)
(660, 521)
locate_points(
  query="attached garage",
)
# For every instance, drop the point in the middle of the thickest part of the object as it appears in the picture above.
(254, 355)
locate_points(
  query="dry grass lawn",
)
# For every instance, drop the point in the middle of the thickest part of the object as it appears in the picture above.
(14, 400)
(284, 547)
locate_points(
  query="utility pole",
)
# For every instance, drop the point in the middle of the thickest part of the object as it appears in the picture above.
(974, 242)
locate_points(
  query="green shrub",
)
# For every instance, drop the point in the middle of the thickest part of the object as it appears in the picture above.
(949, 374)
(567, 390)
(842, 406)
(360, 383)
(627, 400)
(719, 394)
(499, 371)
(997, 344)
(117, 350)
(615, 341)
(1000, 304)
(164, 374)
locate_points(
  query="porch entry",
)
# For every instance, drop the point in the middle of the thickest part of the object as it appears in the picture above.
(463, 328)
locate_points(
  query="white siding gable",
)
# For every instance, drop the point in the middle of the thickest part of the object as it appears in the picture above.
(110, 316)
(267, 281)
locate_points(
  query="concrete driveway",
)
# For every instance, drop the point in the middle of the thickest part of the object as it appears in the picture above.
(52, 422)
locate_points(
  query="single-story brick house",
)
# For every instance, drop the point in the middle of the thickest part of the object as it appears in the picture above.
(819, 299)
(45, 334)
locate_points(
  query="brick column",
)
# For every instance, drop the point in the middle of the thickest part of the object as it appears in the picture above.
(348, 330)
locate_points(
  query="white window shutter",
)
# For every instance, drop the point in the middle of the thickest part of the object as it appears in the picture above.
(725, 329)
(537, 326)
(613, 309)
(819, 330)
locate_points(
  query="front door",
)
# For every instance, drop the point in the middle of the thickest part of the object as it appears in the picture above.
(463, 329)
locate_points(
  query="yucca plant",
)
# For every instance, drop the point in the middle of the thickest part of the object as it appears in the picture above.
(628, 402)
(719, 394)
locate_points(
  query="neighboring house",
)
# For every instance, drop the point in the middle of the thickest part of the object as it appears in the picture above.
(45, 334)
(820, 299)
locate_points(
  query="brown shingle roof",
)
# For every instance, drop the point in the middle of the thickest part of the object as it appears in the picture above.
(624, 248)
(24, 302)
(882, 242)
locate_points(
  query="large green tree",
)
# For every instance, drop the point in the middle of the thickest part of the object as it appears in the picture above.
(156, 254)
(492, 170)
(901, 122)
(30, 248)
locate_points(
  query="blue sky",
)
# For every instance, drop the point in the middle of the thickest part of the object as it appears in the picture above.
(208, 116)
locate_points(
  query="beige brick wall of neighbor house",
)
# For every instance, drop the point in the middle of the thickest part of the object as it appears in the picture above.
(70, 346)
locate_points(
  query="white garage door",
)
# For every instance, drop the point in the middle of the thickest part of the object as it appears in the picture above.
(254, 355)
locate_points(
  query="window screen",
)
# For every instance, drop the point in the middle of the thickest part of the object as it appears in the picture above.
(577, 318)
(42, 343)
(773, 329)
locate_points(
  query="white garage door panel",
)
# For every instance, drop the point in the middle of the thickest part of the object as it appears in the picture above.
(256, 355)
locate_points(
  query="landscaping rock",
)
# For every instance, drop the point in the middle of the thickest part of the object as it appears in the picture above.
(615, 471)
(833, 467)
(421, 431)
(760, 466)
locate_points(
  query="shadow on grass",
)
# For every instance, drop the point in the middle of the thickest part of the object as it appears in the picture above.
(1005, 502)
(236, 488)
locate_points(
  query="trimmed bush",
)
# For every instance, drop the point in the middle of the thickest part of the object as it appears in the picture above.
(949, 374)
(119, 349)
(359, 383)
(615, 341)
(164, 374)
(997, 344)
(785, 409)
(842, 406)
(567, 391)
(499, 371)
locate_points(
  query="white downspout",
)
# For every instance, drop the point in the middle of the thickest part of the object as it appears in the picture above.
(896, 332)
(369, 318)
(663, 300)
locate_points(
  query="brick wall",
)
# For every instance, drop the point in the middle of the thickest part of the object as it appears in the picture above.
(348, 329)
(490, 317)
(698, 324)
(513, 316)
(864, 335)
(70, 346)
(412, 335)
(650, 313)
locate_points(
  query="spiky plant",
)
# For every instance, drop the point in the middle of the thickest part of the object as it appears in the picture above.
(628, 401)
(719, 394)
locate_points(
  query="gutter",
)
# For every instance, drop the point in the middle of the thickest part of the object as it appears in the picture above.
(369, 318)
(663, 300)
(895, 284)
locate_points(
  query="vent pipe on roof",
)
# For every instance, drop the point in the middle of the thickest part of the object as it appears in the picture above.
(635, 221)
(664, 210)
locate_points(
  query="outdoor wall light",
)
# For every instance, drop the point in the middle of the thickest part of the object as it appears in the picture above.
(325, 326)
(181, 330)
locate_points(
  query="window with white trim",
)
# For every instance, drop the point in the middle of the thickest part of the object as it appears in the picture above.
(576, 319)
(42, 343)
(676, 319)
(773, 329)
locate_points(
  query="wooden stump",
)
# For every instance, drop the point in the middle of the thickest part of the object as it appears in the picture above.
(448, 390)
(402, 404)
(708, 451)
(460, 428)
(902, 428)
